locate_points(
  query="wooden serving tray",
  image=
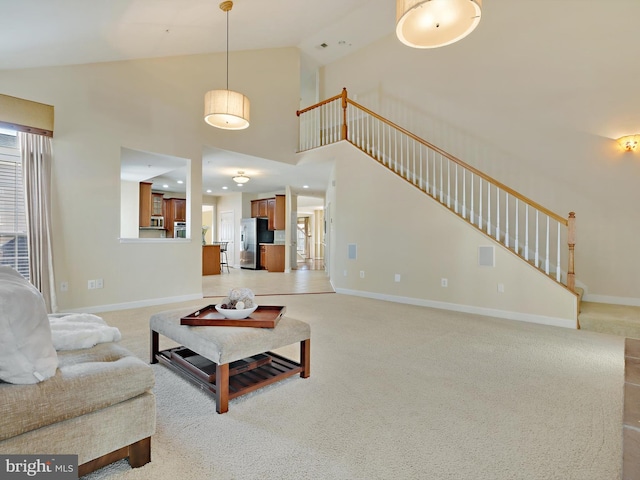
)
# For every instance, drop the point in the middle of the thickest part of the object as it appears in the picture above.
(265, 316)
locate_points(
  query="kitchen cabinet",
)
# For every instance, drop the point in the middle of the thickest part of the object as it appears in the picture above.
(273, 257)
(175, 210)
(157, 205)
(259, 208)
(271, 208)
(276, 212)
(211, 260)
(145, 204)
(179, 206)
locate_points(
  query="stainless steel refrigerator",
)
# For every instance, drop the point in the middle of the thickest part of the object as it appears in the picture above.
(253, 232)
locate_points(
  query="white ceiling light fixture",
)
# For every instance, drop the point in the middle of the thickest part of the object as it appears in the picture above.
(435, 23)
(240, 178)
(226, 109)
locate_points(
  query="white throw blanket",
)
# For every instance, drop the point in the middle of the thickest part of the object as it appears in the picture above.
(80, 330)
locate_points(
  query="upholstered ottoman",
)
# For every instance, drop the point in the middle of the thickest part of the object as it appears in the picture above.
(226, 345)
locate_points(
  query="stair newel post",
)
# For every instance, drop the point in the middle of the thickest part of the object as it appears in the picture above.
(344, 114)
(571, 240)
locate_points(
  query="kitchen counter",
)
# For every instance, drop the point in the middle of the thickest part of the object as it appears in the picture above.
(211, 260)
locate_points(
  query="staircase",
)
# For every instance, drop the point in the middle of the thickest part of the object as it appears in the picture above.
(537, 235)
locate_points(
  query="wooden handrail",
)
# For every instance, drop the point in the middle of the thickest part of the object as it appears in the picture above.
(477, 172)
(324, 102)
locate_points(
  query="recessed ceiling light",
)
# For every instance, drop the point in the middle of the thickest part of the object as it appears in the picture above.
(240, 184)
(180, 182)
(208, 191)
(224, 188)
(165, 186)
(305, 186)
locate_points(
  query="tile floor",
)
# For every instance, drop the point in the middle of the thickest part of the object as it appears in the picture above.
(262, 282)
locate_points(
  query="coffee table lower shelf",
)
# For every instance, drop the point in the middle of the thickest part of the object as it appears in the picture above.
(278, 369)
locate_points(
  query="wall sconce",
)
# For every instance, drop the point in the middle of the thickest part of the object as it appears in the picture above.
(629, 143)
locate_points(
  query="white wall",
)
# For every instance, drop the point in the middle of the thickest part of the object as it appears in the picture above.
(397, 229)
(129, 217)
(534, 100)
(155, 106)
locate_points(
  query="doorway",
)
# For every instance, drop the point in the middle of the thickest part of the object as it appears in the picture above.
(227, 234)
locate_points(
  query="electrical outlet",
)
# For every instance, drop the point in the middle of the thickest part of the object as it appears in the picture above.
(99, 283)
(501, 288)
(64, 287)
(361, 273)
(91, 284)
(444, 282)
(396, 277)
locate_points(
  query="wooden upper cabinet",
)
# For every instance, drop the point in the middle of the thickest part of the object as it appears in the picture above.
(260, 208)
(157, 209)
(179, 206)
(271, 213)
(263, 209)
(277, 213)
(145, 204)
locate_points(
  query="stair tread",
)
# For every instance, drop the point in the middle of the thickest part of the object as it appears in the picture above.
(622, 320)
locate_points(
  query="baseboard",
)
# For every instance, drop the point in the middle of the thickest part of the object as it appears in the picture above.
(630, 301)
(487, 312)
(137, 304)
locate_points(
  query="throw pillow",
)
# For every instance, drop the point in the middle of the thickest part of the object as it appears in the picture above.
(26, 349)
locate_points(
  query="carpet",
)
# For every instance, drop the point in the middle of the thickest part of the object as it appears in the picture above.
(398, 392)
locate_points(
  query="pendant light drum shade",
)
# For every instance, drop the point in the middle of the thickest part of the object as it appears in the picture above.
(435, 23)
(226, 109)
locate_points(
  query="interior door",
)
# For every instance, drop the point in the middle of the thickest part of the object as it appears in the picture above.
(227, 234)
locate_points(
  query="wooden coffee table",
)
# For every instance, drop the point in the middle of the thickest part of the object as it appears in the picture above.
(225, 345)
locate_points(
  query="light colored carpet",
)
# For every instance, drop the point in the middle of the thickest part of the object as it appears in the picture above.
(398, 392)
(622, 320)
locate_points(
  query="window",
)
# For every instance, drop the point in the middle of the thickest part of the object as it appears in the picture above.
(13, 223)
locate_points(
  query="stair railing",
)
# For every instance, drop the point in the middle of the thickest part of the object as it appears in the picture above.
(523, 226)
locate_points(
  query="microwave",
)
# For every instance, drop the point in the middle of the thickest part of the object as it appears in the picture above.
(179, 229)
(157, 222)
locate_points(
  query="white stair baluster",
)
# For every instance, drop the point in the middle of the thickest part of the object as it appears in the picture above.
(516, 246)
(526, 232)
(497, 214)
(506, 219)
(546, 260)
(558, 271)
(480, 212)
(537, 255)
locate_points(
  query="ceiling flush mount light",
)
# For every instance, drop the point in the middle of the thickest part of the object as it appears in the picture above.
(435, 23)
(240, 178)
(226, 109)
(629, 143)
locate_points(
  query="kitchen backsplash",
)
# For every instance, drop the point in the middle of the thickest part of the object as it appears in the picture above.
(278, 236)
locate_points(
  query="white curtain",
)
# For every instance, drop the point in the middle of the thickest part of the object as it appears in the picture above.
(36, 171)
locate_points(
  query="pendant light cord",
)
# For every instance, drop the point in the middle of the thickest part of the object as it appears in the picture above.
(227, 49)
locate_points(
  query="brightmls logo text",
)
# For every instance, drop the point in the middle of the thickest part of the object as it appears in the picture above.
(50, 467)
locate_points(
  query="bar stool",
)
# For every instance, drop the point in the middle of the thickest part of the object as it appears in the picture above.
(223, 255)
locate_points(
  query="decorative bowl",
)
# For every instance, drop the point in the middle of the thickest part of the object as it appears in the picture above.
(235, 314)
